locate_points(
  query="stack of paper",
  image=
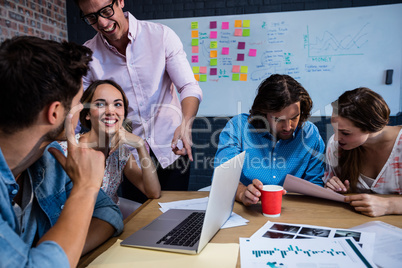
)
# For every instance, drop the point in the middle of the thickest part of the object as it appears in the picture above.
(292, 245)
(201, 204)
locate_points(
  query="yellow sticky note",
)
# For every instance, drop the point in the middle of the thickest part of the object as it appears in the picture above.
(194, 34)
(213, 53)
(196, 69)
(244, 69)
(197, 77)
(203, 78)
(213, 44)
(213, 62)
(237, 23)
(194, 25)
(243, 77)
(235, 77)
(246, 23)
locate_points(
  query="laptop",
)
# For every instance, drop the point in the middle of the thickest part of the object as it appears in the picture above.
(160, 234)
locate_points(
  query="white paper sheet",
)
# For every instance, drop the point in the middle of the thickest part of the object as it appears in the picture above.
(388, 243)
(297, 185)
(201, 204)
(317, 253)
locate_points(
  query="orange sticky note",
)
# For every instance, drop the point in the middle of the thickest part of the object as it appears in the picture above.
(243, 77)
(194, 34)
(197, 77)
(237, 23)
(213, 53)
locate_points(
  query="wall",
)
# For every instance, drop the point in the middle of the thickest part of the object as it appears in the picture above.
(45, 19)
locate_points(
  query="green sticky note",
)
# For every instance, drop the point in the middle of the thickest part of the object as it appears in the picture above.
(246, 32)
(246, 23)
(244, 69)
(196, 69)
(203, 78)
(214, 44)
(235, 77)
(194, 25)
(214, 62)
(194, 42)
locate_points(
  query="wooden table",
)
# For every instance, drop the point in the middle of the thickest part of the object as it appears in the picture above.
(297, 209)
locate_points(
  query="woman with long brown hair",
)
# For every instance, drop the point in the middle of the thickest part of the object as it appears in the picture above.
(365, 154)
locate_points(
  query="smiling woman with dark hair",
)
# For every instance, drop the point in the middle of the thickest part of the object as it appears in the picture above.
(365, 155)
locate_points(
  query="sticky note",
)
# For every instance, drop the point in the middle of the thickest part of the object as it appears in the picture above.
(203, 78)
(212, 24)
(196, 69)
(213, 53)
(246, 32)
(241, 45)
(213, 44)
(236, 68)
(213, 34)
(195, 49)
(246, 23)
(225, 25)
(244, 69)
(194, 25)
(203, 70)
(194, 42)
(197, 77)
(243, 77)
(237, 23)
(213, 71)
(194, 34)
(240, 57)
(252, 52)
(213, 62)
(194, 58)
(225, 51)
(238, 32)
(235, 77)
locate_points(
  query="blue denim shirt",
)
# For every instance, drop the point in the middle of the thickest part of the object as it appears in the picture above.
(268, 159)
(51, 187)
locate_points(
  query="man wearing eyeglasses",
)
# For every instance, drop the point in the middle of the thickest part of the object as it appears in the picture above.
(147, 59)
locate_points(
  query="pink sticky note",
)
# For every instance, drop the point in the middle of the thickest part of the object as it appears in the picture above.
(252, 52)
(236, 69)
(194, 58)
(203, 70)
(225, 51)
(213, 34)
(212, 24)
(240, 57)
(238, 32)
(194, 49)
(225, 25)
(213, 71)
(241, 45)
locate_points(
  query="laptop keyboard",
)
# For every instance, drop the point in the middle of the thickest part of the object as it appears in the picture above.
(186, 233)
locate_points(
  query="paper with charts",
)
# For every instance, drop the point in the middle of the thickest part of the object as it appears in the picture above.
(297, 185)
(317, 253)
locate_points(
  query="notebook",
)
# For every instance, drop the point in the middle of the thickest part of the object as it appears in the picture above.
(157, 235)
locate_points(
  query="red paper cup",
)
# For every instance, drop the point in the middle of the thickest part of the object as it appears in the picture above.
(271, 200)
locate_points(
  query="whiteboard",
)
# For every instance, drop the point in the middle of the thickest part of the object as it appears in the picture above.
(327, 51)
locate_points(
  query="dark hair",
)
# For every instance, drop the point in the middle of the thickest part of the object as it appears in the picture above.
(34, 73)
(87, 98)
(369, 112)
(276, 93)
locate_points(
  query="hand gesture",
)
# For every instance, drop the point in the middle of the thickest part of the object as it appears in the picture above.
(336, 185)
(369, 205)
(182, 141)
(124, 137)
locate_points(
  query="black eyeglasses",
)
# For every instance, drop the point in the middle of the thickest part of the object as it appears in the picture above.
(105, 12)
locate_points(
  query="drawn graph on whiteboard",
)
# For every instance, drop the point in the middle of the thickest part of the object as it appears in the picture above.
(328, 43)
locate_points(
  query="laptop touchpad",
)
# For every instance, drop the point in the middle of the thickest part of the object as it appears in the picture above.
(161, 225)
